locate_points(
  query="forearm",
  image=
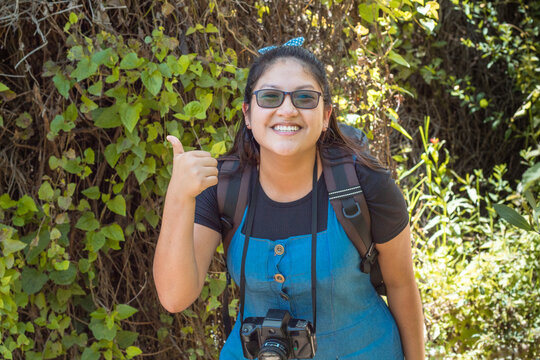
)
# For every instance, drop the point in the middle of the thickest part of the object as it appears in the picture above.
(175, 266)
(406, 307)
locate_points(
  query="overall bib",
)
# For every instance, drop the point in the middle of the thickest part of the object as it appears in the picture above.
(353, 322)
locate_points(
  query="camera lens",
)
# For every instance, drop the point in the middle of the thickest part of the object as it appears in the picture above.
(274, 349)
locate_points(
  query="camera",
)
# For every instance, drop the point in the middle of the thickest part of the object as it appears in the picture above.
(277, 337)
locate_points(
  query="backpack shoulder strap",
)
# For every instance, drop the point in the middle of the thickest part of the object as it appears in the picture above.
(349, 203)
(232, 195)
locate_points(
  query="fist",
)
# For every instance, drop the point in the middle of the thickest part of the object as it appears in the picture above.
(193, 171)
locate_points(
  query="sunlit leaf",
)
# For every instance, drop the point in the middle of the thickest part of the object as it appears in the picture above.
(512, 216)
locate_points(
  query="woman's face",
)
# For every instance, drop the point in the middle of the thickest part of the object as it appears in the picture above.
(286, 130)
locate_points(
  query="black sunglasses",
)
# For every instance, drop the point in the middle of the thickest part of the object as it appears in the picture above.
(273, 98)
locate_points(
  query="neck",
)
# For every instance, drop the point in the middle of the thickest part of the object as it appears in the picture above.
(285, 178)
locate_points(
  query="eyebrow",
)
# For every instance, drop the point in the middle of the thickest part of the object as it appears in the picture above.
(306, 86)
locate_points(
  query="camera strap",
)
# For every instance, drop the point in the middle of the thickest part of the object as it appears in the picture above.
(249, 228)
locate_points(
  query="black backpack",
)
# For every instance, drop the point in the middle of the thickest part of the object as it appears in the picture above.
(344, 192)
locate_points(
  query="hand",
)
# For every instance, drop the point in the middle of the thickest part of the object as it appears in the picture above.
(193, 171)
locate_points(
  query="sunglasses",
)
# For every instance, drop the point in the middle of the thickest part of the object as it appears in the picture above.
(301, 99)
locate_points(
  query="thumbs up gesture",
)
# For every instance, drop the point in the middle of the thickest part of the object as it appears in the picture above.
(193, 171)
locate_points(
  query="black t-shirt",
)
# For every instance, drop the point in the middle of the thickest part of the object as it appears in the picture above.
(276, 220)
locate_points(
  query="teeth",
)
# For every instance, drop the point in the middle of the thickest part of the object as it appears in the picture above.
(286, 128)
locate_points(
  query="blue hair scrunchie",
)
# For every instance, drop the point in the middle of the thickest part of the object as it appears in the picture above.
(293, 42)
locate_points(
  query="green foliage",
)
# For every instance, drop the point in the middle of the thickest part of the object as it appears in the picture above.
(133, 94)
(476, 273)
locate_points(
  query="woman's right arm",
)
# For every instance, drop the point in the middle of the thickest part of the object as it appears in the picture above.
(184, 250)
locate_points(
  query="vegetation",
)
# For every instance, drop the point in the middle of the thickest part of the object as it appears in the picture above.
(447, 92)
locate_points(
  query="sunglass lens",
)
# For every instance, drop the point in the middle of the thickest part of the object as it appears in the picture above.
(306, 99)
(269, 98)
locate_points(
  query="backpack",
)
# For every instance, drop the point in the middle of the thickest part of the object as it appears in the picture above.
(344, 192)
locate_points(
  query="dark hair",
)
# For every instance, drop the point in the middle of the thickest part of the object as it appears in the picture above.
(246, 147)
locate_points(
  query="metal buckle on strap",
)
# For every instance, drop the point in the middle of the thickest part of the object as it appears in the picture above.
(369, 259)
(226, 223)
(357, 211)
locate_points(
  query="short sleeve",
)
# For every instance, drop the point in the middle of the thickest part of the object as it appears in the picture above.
(387, 207)
(206, 209)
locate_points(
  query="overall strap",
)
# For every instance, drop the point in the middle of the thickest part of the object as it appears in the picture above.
(232, 196)
(349, 203)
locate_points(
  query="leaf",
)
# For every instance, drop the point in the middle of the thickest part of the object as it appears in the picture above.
(395, 125)
(167, 9)
(6, 202)
(133, 351)
(11, 246)
(184, 61)
(101, 57)
(195, 109)
(32, 280)
(96, 88)
(165, 70)
(107, 118)
(3, 87)
(95, 241)
(130, 61)
(211, 28)
(85, 68)
(87, 222)
(213, 304)
(114, 232)
(26, 204)
(531, 176)
(217, 286)
(129, 114)
(218, 148)
(512, 216)
(34, 249)
(58, 124)
(64, 277)
(90, 354)
(395, 57)
(126, 338)
(125, 311)
(101, 331)
(45, 192)
(428, 24)
(117, 205)
(73, 18)
(111, 155)
(92, 193)
(152, 81)
(366, 12)
(87, 105)
(24, 120)
(62, 84)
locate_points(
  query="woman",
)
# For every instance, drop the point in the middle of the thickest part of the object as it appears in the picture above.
(286, 126)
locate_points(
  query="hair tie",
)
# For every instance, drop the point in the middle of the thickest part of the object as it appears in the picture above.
(293, 42)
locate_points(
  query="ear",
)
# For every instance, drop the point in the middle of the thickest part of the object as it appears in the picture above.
(326, 117)
(245, 110)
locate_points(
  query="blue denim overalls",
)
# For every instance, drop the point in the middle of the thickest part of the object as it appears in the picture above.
(353, 322)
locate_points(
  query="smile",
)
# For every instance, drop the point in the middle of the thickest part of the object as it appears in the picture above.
(286, 128)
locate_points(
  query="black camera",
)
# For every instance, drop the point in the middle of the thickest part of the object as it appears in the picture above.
(277, 337)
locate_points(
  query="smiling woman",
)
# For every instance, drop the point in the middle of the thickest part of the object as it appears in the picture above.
(305, 291)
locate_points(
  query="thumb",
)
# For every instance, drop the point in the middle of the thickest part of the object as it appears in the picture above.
(176, 144)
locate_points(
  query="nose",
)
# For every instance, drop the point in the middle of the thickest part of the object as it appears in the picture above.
(287, 108)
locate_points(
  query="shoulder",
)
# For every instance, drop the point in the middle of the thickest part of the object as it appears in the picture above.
(372, 177)
(385, 201)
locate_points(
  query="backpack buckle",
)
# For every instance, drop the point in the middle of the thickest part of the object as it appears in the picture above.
(226, 223)
(356, 210)
(369, 259)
